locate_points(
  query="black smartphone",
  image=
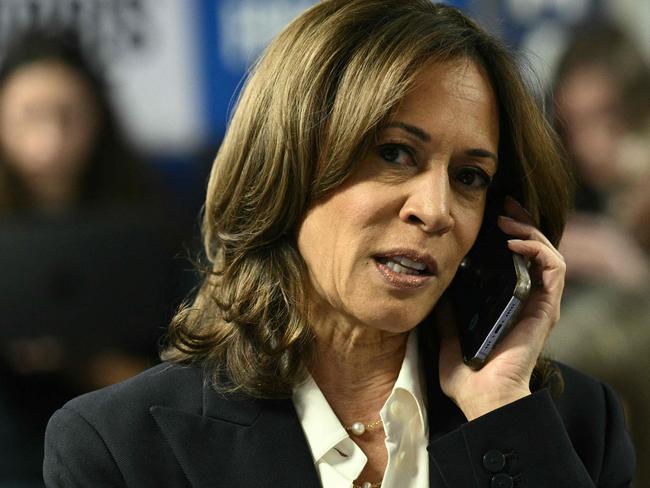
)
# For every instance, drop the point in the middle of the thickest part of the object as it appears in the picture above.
(488, 293)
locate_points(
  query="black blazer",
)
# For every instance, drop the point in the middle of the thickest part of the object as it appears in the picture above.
(168, 428)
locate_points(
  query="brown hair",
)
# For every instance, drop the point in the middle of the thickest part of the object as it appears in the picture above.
(308, 112)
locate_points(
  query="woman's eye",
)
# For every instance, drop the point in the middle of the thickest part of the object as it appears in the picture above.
(473, 178)
(397, 154)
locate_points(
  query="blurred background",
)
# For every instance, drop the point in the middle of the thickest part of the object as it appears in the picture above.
(111, 112)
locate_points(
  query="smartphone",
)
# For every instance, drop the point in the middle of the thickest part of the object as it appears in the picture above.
(488, 292)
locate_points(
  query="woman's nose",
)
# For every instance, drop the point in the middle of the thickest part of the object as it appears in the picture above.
(49, 142)
(428, 202)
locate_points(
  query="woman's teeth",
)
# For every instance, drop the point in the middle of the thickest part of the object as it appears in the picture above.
(400, 264)
(410, 264)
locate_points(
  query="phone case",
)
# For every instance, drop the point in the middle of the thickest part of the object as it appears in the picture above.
(488, 293)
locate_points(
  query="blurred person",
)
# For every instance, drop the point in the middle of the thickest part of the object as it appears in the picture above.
(632, 205)
(321, 349)
(601, 97)
(61, 150)
(60, 146)
(603, 115)
(64, 164)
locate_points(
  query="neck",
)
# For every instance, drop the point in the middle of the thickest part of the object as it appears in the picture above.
(356, 368)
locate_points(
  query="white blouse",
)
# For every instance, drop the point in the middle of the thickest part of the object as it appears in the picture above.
(339, 461)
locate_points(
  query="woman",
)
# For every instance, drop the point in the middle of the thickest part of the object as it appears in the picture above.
(65, 165)
(60, 146)
(67, 175)
(601, 107)
(350, 185)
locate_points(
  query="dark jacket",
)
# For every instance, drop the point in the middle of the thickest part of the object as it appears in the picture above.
(168, 428)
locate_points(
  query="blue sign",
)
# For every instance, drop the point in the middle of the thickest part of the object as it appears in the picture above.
(232, 34)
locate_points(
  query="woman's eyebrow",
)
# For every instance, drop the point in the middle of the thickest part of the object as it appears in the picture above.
(424, 137)
(482, 153)
(411, 129)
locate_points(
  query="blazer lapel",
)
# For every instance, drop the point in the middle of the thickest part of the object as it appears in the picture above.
(239, 441)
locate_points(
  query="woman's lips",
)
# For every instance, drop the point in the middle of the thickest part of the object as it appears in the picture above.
(405, 271)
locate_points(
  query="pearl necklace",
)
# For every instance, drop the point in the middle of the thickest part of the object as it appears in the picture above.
(359, 428)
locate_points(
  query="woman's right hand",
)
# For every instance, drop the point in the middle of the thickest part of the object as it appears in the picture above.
(505, 377)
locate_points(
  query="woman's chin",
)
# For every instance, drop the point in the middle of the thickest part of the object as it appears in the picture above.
(395, 321)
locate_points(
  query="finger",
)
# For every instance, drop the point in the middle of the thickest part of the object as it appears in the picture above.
(549, 271)
(543, 255)
(523, 230)
(517, 211)
(550, 265)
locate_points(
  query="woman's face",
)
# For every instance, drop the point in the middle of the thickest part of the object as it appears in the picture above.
(48, 124)
(383, 247)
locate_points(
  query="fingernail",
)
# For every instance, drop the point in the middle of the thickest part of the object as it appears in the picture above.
(516, 202)
(512, 199)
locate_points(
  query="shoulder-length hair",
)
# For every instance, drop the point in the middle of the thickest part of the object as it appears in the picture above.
(310, 109)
